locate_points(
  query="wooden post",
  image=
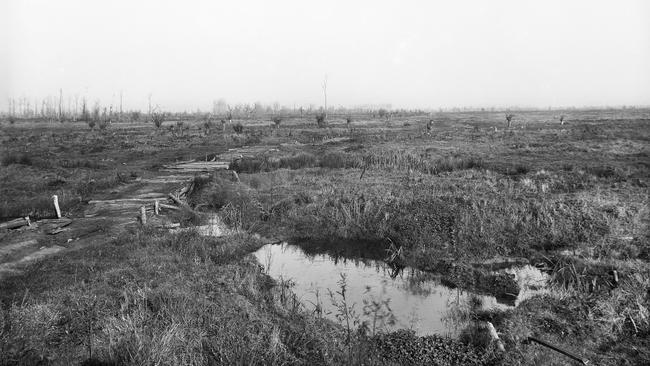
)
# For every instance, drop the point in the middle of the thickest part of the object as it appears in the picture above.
(143, 215)
(156, 207)
(615, 273)
(55, 198)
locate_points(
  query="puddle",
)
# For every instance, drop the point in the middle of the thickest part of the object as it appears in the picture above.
(418, 300)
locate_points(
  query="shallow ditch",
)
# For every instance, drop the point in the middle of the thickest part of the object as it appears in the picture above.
(417, 300)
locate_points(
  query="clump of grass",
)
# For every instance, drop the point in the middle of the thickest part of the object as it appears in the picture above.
(277, 120)
(607, 172)
(238, 128)
(16, 158)
(518, 169)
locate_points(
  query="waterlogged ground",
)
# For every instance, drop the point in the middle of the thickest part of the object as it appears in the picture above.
(407, 298)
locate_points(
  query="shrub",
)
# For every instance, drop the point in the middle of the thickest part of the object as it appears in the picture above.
(157, 118)
(277, 120)
(105, 121)
(518, 169)
(11, 119)
(208, 125)
(179, 127)
(238, 128)
(321, 120)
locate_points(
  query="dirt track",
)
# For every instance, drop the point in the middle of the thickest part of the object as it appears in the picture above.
(103, 218)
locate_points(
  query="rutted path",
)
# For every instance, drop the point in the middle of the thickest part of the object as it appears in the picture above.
(109, 213)
(105, 216)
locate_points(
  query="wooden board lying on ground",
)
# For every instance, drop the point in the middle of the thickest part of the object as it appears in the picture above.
(13, 224)
(197, 166)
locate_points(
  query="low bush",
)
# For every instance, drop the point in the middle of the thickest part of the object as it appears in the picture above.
(321, 120)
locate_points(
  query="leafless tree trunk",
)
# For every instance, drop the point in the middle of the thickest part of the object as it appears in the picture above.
(325, 95)
(120, 118)
(60, 102)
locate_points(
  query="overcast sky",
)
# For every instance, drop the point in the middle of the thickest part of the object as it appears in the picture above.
(406, 53)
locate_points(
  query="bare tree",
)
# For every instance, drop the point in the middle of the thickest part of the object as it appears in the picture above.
(325, 95)
(60, 104)
(229, 116)
(121, 99)
(157, 117)
(85, 115)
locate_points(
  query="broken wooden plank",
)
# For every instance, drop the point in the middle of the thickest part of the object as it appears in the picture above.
(123, 200)
(58, 230)
(171, 225)
(177, 200)
(169, 207)
(14, 224)
(53, 226)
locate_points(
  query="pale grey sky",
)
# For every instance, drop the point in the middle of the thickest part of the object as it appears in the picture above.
(406, 53)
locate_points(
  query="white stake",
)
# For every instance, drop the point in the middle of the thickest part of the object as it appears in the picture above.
(55, 198)
(143, 215)
(156, 208)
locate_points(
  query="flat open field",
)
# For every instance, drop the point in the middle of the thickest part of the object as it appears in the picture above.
(457, 208)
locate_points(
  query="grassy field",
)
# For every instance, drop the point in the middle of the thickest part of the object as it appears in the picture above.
(571, 198)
